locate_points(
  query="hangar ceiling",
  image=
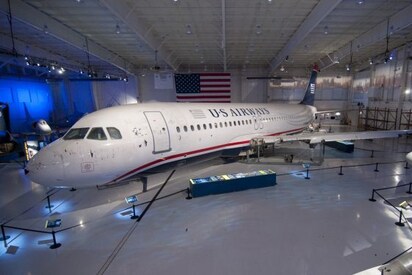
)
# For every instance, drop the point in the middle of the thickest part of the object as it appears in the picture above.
(125, 36)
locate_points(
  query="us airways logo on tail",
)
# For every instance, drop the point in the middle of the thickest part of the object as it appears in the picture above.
(312, 88)
(238, 112)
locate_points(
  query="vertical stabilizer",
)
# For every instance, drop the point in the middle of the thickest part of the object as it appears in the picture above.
(309, 98)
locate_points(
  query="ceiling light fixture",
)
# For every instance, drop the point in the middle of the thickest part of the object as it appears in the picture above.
(189, 29)
(326, 30)
(258, 29)
(46, 29)
(370, 61)
(117, 29)
(360, 2)
(282, 69)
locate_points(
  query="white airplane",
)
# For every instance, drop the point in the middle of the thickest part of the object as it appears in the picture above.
(116, 143)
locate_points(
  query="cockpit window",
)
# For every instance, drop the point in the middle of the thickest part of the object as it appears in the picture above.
(97, 133)
(76, 133)
(114, 133)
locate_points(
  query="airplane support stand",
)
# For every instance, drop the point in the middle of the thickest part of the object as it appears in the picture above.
(72, 189)
(55, 244)
(144, 182)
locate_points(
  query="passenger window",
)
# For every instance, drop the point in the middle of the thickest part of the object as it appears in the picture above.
(210, 126)
(234, 123)
(230, 123)
(178, 129)
(221, 124)
(198, 127)
(97, 134)
(225, 124)
(114, 133)
(76, 133)
(192, 127)
(204, 126)
(185, 128)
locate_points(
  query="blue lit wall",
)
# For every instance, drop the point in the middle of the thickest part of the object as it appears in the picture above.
(28, 100)
(61, 103)
(72, 99)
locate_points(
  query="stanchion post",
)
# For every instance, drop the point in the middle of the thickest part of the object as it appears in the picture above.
(134, 213)
(49, 206)
(340, 172)
(409, 191)
(406, 165)
(55, 244)
(376, 167)
(372, 153)
(400, 223)
(189, 197)
(3, 236)
(373, 196)
(307, 174)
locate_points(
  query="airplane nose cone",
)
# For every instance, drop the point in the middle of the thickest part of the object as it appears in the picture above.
(46, 167)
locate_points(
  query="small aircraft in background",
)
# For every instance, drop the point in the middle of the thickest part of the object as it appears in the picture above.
(12, 142)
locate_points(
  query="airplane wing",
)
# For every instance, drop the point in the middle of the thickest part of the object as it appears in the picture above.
(318, 137)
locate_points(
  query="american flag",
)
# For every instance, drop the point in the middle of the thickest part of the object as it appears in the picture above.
(203, 87)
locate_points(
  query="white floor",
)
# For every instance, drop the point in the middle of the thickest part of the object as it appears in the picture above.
(321, 225)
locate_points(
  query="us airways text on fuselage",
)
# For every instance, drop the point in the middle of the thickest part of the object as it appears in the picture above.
(237, 112)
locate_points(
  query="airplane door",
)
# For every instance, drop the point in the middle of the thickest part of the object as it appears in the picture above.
(160, 131)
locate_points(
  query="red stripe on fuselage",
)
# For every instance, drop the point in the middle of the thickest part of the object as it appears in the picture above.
(144, 166)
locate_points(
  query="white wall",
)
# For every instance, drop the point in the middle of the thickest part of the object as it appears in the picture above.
(112, 93)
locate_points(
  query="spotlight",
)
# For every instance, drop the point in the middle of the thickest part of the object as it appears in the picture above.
(370, 61)
(348, 67)
(326, 30)
(282, 69)
(360, 2)
(117, 29)
(407, 91)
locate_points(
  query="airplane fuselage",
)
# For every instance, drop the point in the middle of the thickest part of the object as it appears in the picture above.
(113, 144)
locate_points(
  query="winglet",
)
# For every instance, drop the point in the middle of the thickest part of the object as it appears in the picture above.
(309, 98)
